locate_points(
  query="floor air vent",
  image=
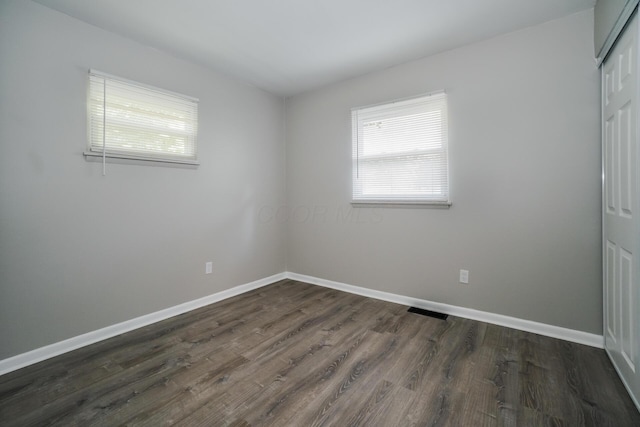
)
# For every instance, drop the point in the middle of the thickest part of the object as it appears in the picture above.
(422, 312)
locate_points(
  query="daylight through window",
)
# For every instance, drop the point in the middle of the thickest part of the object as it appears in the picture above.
(400, 152)
(131, 120)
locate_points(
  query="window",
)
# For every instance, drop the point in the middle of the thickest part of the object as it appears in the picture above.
(400, 152)
(133, 121)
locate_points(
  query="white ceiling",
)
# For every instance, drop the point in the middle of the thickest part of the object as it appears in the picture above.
(291, 46)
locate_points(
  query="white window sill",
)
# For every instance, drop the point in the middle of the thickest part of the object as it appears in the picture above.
(94, 154)
(400, 204)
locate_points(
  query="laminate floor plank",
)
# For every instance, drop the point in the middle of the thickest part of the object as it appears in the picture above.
(297, 386)
(76, 387)
(259, 380)
(534, 378)
(327, 391)
(591, 394)
(447, 370)
(278, 368)
(280, 324)
(80, 407)
(196, 387)
(299, 329)
(485, 390)
(295, 354)
(507, 378)
(367, 407)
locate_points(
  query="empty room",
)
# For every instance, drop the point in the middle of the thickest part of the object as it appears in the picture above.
(306, 212)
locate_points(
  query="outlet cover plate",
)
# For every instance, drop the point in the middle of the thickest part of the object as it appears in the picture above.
(464, 276)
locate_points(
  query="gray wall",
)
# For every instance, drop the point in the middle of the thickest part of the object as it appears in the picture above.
(525, 182)
(79, 251)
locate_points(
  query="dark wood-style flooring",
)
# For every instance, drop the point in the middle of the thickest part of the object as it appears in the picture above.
(294, 354)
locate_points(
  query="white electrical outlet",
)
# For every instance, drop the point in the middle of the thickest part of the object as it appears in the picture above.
(208, 267)
(464, 276)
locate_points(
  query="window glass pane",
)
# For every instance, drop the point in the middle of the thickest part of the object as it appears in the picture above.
(400, 151)
(401, 134)
(127, 118)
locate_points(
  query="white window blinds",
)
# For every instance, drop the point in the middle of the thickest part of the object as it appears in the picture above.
(400, 152)
(132, 120)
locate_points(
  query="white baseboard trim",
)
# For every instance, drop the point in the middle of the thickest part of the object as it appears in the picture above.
(566, 334)
(34, 356)
(43, 353)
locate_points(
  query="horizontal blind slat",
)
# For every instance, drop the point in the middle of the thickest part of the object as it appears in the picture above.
(400, 150)
(140, 120)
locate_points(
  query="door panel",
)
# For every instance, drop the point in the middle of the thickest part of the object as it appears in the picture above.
(625, 121)
(626, 309)
(611, 324)
(621, 226)
(610, 156)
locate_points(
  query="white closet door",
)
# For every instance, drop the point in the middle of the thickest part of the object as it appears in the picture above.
(621, 213)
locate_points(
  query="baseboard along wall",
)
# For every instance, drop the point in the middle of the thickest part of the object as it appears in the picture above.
(566, 334)
(43, 353)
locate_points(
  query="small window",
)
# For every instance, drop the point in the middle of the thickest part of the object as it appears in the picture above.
(134, 121)
(400, 152)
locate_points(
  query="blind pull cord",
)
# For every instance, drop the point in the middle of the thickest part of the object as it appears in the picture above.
(104, 127)
(358, 145)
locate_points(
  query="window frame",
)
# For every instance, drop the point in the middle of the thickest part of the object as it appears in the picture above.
(95, 119)
(422, 103)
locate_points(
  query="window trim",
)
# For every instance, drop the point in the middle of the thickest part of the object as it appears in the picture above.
(114, 155)
(397, 202)
(91, 151)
